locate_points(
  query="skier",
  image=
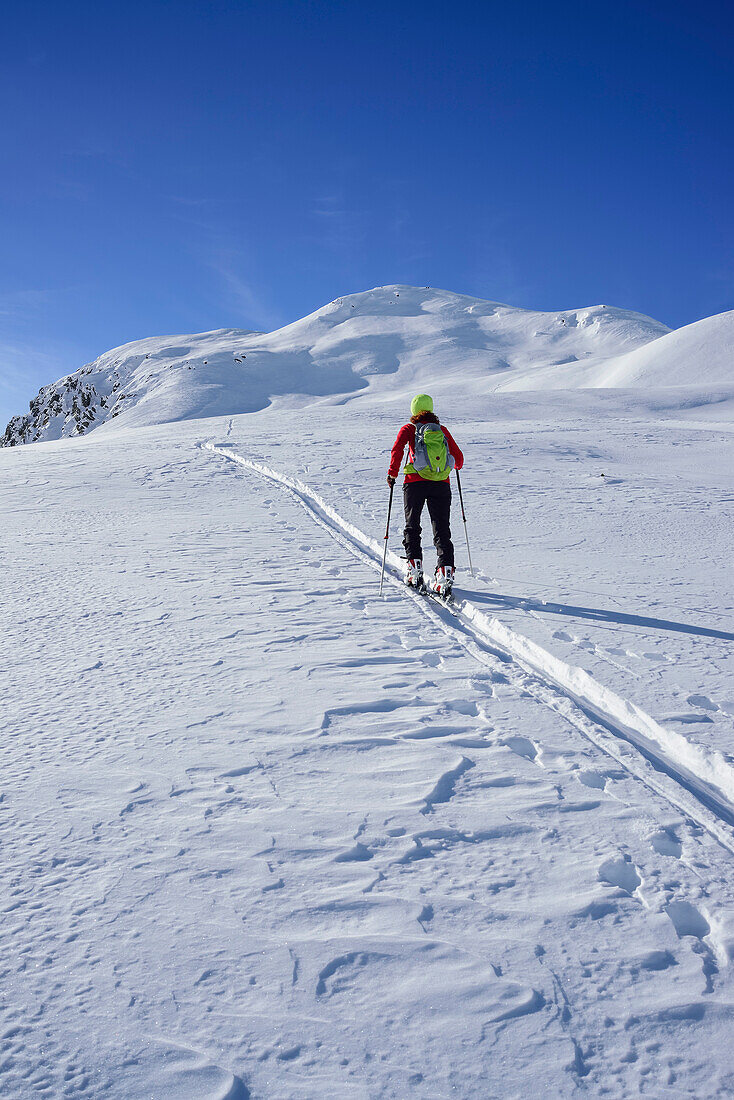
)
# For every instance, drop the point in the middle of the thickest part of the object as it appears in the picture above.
(432, 455)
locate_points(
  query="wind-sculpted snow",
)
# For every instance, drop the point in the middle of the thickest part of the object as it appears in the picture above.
(701, 354)
(706, 774)
(383, 341)
(699, 357)
(267, 834)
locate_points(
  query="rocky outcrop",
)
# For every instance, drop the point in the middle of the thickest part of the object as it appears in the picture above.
(65, 408)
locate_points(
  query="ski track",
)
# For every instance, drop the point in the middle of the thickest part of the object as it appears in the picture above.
(378, 867)
(698, 784)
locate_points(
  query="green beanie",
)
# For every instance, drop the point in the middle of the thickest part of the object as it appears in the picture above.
(422, 403)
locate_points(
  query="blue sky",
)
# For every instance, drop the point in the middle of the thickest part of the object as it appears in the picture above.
(181, 166)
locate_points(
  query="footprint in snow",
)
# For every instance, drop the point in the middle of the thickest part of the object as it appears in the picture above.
(463, 706)
(621, 872)
(592, 779)
(701, 701)
(695, 719)
(339, 971)
(687, 920)
(666, 843)
(433, 660)
(657, 960)
(523, 746)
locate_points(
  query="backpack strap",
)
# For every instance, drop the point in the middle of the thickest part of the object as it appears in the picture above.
(420, 452)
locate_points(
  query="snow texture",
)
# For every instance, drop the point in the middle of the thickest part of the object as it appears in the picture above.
(265, 834)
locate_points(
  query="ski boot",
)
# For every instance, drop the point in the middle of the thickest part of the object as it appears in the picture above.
(414, 574)
(443, 582)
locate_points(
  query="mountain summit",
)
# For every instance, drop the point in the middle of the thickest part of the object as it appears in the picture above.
(376, 343)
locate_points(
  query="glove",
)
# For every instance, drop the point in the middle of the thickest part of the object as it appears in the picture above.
(390, 481)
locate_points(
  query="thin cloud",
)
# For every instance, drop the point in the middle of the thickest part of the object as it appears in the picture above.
(23, 306)
(243, 296)
(209, 246)
(187, 202)
(339, 226)
(20, 305)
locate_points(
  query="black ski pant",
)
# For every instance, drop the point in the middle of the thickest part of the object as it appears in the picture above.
(437, 495)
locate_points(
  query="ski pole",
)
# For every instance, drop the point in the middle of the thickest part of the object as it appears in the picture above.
(387, 532)
(463, 516)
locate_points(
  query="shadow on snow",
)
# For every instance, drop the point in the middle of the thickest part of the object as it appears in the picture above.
(598, 614)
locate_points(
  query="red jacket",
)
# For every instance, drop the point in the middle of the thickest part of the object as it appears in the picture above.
(406, 436)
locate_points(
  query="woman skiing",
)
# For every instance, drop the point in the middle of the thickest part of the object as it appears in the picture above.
(432, 455)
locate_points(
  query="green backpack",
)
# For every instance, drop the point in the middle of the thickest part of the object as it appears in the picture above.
(432, 459)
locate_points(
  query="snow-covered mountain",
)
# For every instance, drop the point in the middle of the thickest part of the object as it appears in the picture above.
(381, 342)
(700, 355)
(269, 833)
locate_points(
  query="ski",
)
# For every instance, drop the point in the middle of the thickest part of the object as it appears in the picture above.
(439, 597)
(423, 589)
(415, 579)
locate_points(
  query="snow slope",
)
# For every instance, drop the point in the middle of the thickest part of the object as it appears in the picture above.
(700, 355)
(379, 344)
(266, 835)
